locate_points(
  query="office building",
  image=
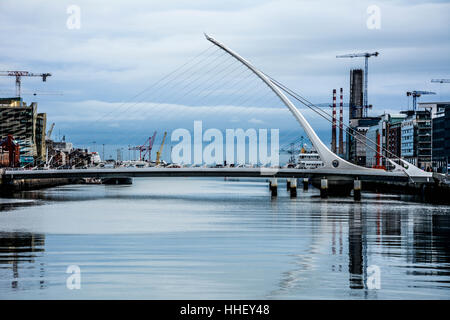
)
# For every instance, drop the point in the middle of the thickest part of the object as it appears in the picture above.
(416, 138)
(384, 140)
(356, 94)
(26, 126)
(440, 114)
(356, 139)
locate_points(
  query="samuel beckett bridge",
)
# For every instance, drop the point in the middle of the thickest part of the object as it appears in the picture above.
(335, 176)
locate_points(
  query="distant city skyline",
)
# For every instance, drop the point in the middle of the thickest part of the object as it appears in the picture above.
(120, 49)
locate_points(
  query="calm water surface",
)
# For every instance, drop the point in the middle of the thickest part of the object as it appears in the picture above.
(215, 239)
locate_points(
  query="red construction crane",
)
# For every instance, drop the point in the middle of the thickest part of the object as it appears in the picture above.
(145, 149)
(20, 74)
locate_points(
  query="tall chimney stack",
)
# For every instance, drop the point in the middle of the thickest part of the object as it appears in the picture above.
(333, 126)
(341, 124)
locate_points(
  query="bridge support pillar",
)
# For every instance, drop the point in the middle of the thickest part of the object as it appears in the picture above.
(305, 184)
(357, 189)
(324, 188)
(273, 186)
(293, 187)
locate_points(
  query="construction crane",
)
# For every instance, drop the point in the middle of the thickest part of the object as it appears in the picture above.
(440, 80)
(33, 93)
(366, 55)
(20, 74)
(292, 150)
(416, 94)
(158, 153)
(49, 132)
(144, 149)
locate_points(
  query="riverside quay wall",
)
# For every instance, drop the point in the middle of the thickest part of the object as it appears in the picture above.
(7, 186)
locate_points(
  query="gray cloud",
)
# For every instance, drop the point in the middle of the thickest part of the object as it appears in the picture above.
(123, 47)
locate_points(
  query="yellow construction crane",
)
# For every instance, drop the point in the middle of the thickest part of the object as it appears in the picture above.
(158, 153)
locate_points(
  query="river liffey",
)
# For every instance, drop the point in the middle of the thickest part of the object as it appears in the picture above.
(171, 238)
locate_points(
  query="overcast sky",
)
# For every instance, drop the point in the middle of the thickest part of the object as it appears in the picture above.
(122, 47)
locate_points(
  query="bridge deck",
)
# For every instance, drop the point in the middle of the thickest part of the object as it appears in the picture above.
(380, 175)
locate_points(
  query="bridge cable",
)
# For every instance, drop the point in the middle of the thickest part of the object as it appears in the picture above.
(158, 82)
(192, 89)
(359, 140)
(316, 109)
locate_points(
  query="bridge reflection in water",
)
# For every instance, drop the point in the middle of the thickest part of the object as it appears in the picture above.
(419, 243)
(252, 246)
(20, 264)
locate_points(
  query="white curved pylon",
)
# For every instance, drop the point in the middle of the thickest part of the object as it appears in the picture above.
(329, 158)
